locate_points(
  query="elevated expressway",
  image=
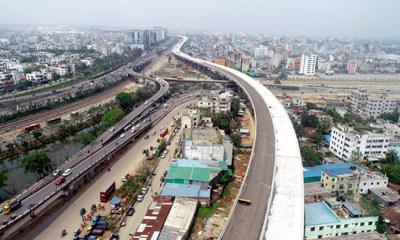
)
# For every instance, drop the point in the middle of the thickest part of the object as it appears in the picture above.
(98, 152)
(274, 180)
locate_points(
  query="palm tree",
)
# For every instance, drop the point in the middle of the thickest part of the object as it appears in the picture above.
(391, 156)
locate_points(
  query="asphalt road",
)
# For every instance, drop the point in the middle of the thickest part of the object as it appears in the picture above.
(247, 220)
(87, 157)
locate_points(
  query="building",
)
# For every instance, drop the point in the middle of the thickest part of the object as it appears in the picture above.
(308, 64)
(197, 172)
(341, 180)
(220, 61)
(348, 144)
(385, 196)
(219, 102)
(372, 180)
(190, 119)
(179, 220)
(201, 193)
(245, 64)
(314, 192)
(351, 67)
(298, 102)
(313, 174)
(322, 221)
(154, 219)
(372, 105)
(207, 144)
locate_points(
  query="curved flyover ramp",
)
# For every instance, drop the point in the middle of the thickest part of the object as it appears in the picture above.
(274, 179)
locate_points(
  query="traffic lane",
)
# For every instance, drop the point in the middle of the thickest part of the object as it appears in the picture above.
(247, 221)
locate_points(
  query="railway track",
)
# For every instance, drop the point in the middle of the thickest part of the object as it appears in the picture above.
(42, 117)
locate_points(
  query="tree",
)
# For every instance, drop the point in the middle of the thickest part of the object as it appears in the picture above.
(391, 156)
(337, 118)
(3, 181)
(322, 126)
(161, 147)
(125, 101)
(23, 85)
(276, 81)
(111, 117)
(38, 163)
(222, 121)
(392, 171)
(37, 133)
(236, 139)
(310, 158)
(235, 106)
(309, 120)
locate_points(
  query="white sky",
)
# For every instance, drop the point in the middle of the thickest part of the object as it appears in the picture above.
(356, 18)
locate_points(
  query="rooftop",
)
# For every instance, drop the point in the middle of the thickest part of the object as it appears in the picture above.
(185, 190)
(179, 219)
(338, 171)
(317, 170)
(319, 213)
(386, 194)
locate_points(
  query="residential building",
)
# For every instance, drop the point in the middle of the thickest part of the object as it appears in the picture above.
(314, 192)
(341, 181)
(179, 220)
(348, 144)
(385, 196)
(218, 102)
(322, 221)
(313, 174)
(298, 102)
(308, 64)
(245, 64)
(201, 193)
(190, 119)
(372, 180)
(351, 67)
(372, 105)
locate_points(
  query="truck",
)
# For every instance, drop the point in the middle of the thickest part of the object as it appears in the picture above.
(8, 208)
(97, 232)
(106, 193)
(163, 132)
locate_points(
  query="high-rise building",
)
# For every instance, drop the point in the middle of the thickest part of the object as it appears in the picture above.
(308, 64)
(372, 105)
(245, 64)
(351, 67)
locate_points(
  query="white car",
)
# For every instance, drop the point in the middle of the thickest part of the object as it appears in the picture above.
(154, 132)
(67, 172)
(57, 172)
(122, 135)
(133, 129)
(139, 198)
(144, 190)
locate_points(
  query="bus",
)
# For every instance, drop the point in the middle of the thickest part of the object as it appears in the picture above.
(54, 121)
(31, 127)
(106, 194)
(244, 201)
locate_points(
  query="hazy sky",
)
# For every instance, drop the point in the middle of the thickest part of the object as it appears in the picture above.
(357, 18)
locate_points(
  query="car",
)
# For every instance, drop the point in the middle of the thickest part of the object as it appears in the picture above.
(145, 190)
(139, 198)
(146, 137)
(133, 129)
(131, 211)
(122, 135)
(59, 181)
(146, 102)
(116, 211)
(57, 172)
(165, 173)
(67, 172)
(112, 129)
(154, 132)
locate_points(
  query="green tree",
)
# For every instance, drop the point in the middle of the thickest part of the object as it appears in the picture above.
(337, 118)
(310, 157)
(236, 139)
(322, 126)
(38, 163)
(125, 101)
(37, 133)
(235, 106)
(3, 181)
(309, 120)
(87, 137)
(392, 171)
(222, 121)
(161, 147)
(111, 117)
(391, 156)
(23, 85)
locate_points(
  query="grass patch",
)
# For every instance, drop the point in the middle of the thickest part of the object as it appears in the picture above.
(206, 212)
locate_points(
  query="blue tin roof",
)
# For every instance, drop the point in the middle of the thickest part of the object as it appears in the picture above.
(309, 172)
(319, 213)
(337, 171)
(352, 209)
(185, 190)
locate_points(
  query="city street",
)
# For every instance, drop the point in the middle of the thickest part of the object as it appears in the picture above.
(67, 217)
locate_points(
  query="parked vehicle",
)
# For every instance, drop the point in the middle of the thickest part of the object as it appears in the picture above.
(131, 211)
(122, 135)
(67, 172)
(31, 127)
(57, 172)
(145, 190)
(8, 208)
(163, 132)
(106, 193)
(116, 211)
(139, 198)
(97, 232)
(59, 181)
(146, 137)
